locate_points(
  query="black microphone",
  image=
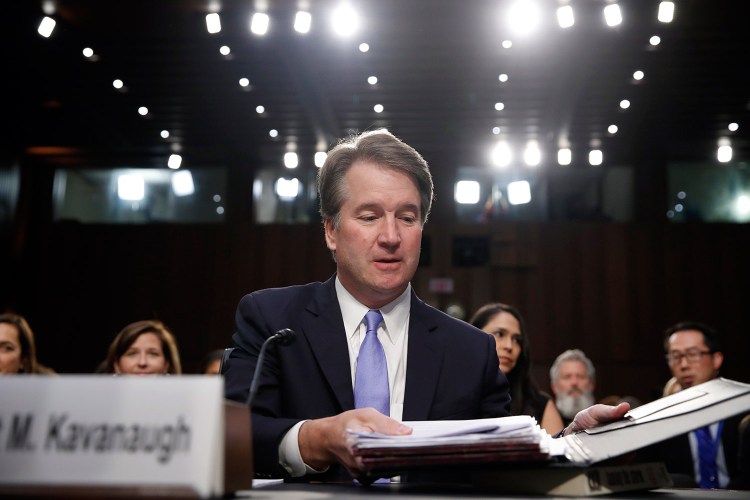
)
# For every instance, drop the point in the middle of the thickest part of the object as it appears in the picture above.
(283, 337)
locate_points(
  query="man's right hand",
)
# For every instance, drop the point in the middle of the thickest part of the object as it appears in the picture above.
(324, 441)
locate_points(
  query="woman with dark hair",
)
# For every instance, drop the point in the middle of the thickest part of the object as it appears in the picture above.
(144, 348)
(17, 347)
(506, 325)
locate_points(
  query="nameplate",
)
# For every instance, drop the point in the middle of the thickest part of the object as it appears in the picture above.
(99, 431)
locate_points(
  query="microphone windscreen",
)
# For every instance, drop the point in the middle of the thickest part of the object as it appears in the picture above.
(285, 336)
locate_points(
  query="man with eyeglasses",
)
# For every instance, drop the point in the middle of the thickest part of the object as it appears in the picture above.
(706, 457)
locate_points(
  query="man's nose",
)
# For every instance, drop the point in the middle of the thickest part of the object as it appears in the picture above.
(389, 233)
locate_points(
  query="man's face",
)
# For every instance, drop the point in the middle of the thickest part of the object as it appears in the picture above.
(573, 379)
(689, 373)
(378, 239)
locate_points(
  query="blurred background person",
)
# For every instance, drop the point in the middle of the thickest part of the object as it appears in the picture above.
(572, 377)
(507, 326)
(144, 348)
(211, 363)
(17, 347)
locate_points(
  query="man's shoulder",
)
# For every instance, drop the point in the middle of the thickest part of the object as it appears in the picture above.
(286, 294)
(437, 318)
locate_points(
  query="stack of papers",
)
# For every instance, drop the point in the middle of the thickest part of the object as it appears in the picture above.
(517, 439)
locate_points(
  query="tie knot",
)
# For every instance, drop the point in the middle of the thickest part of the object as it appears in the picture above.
(373, 318)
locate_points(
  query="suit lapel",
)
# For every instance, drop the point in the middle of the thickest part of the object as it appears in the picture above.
(424, 361)
(324, 329)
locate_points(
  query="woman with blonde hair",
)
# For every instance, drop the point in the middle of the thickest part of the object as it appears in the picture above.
(144, 348)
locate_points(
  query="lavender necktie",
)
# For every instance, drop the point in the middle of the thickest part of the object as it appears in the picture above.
(371, 378)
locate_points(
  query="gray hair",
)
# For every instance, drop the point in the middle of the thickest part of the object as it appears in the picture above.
(376, 146)
(572, 355)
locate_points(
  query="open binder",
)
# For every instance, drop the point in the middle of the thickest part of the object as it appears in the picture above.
(524, 459)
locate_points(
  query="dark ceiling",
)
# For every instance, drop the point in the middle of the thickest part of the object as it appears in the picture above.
(437, 64)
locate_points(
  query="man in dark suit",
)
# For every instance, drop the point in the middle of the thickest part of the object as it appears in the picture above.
(421, 364)
(693, 352)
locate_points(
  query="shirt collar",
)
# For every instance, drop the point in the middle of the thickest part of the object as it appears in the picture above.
(395, 313)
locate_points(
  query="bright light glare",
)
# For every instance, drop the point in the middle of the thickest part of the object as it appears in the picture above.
(612, 129)
(320, 158)
(363, 47)
(595, 157)
(224, 50)
(273, 132)
(501, 154)
(291, 160)
(260, 109)
(503, 77)
(143, 111)
(638, 75)
(372, 80)
(46, 27)
(259, 23)
(130, 187)
(666, 12)
(733, 127)
(244, 82)
(564, 156)
(345, 20)
(507, 44)
(164, 134)
(302, 22)
(378, 108)
(88, 52)
(287, 188)
(565, 17)
(499, 106)
(532, 156)
(519, 192)
(612, 15)
(495, 130)
(523, 16)
(467, 192)
(624, 104)
(654, 40)
(742, 205)
(174, 161)
(213, 23)
(182, 183)
(117, 84)
(724, 154)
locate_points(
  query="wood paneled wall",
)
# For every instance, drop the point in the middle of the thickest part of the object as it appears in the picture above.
(609, 289)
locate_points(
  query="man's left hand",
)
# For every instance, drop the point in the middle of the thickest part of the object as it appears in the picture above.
(596, 415)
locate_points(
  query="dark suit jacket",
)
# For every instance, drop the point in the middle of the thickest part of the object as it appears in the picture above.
(451, 366)
(676, 455)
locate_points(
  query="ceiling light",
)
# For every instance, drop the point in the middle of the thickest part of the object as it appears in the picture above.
(499, 106)
(344, 20)
(302, 21)
(174, 161)
(320, 158)
(88, 52)
(654, 40)
(501, 154)
(565, 17)
(496, 130)
(164, 134)
(523, 17)
(595, 157)
(363, 47)
(519, 192)
(503, 77)
(130, 187)
(733, 127)
(182, 183)
(742, 205)
(220, 210)
(213, 23)
(46, 27)
(378, 108)
(143, 111)
(273, 132)
(287, 189)
(224, 50)
(624, 104)
(259, 23)
(612, 129)
(724, 153)
(612, 15)
(117, 84)
(244, 82)
(666, 12)
(466, 192)
(260, 109)
(564, 156)
(532, 156)
(638, 75)
(507, 44)
(372, 80)
(291, 160)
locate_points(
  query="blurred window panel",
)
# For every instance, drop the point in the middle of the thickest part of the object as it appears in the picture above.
(708, 193)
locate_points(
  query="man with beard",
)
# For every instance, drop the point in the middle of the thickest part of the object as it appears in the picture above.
(572, 377)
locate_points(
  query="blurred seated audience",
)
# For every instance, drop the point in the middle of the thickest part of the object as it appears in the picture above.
(17, 347)
(143, 348)
(507, 326)
(211, 363)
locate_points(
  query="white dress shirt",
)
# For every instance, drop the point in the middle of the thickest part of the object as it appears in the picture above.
(393, 334)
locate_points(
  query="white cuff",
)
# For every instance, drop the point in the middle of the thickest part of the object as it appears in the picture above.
(290, 457)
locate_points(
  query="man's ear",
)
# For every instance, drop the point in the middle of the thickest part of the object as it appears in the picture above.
(717, 359)
(330, 235)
